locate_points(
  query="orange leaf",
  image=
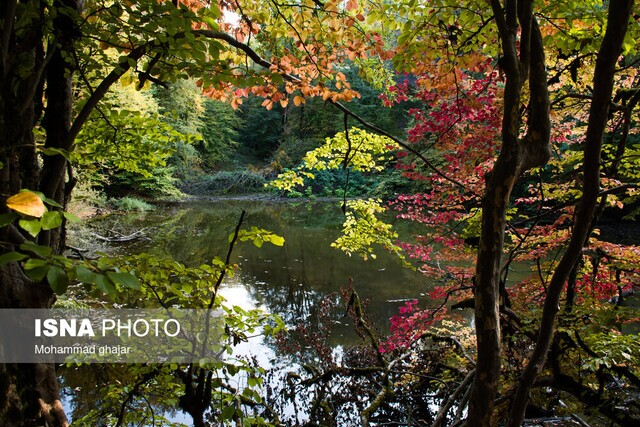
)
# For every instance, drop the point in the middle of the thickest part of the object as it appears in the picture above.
(27, 203)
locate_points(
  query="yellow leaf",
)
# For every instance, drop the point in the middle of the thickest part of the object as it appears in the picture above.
(27, 203)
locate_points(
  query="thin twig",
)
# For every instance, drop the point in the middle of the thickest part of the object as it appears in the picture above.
(219, 281)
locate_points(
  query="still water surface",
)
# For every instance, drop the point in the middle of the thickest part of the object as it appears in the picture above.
(288, 280)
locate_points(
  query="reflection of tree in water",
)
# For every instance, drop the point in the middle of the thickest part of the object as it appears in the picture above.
(87, 389)
(299, 281)
(322, 386)
(287, 280)
(285, 285)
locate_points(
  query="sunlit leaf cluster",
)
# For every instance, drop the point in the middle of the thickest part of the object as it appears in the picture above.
(356, 150)
(363, 230)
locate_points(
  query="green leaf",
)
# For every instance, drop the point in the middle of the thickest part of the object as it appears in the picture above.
(7, 218)
(31, 226)
(51, 202)
(51, 220)
(54, 152)
(276, 240)
(37, 274)
(11, 257)
(227, 413)
(43, 251)
(106, 285)
(232, 369)
(124, 279)
(71, 217)
(86, 275)
(33, 263)
(58, 279)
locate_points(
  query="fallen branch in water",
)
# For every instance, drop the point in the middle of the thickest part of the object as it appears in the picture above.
(133, 236)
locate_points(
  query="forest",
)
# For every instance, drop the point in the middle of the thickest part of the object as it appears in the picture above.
(462, 139)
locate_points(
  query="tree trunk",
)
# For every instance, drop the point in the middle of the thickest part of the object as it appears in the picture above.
(29, 394)
(618, 21)
(523, 60)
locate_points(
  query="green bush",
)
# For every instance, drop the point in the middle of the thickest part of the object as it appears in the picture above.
(132, 204)
(160, 184)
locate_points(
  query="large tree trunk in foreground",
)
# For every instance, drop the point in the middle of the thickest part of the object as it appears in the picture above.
(29, 394)
(618, 21)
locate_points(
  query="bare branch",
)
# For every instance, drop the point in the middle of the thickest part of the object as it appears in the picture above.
(444, 409)
(102, 89)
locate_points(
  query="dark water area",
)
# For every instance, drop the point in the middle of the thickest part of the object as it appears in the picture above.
(620, 231)
(288, 280)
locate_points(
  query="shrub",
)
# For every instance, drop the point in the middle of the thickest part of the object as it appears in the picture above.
(227, 182)
(132, 204)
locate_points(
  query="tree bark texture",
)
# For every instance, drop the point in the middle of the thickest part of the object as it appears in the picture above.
(29, 394)
(523, 61)
(617, 24)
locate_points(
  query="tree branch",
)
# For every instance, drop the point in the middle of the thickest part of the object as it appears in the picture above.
(102, 89)
(536, 143)
(444, 409)
(619, 13)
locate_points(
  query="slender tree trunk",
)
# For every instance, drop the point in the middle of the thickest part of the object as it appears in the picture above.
(57, 121)
(618, 21)
(523, 60)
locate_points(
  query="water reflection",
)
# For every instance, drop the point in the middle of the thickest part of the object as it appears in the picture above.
(287, 280)
(291, 281)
